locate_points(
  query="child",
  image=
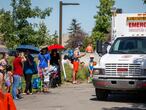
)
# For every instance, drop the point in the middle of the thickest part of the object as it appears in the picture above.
(8, 78)
(46, 80)
(91, 67)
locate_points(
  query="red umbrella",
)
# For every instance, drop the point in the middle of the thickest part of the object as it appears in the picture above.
(55, 46)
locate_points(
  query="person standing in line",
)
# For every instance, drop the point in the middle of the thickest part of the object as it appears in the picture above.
(44, 66)
(3, 64)
(28, 72)
(76, 62)
(17, 74)
(55, 57)
(8, 78)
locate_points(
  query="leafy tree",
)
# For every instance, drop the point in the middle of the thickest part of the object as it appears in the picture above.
(55, 38)
(22, 31)
(103, 20)
(76, 34)
(87, 41)
(6, 28)
(41, 36)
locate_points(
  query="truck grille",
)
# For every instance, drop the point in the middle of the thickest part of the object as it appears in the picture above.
(123, 70)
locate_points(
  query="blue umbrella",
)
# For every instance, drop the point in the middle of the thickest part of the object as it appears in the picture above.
(31, 48)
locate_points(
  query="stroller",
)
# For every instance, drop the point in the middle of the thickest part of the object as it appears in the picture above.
(51, 77)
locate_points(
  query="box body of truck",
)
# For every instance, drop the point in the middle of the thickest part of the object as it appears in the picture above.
(123, 68)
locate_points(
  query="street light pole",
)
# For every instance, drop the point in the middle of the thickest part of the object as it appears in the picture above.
(60, 18)
(60, 23)
(60, 27)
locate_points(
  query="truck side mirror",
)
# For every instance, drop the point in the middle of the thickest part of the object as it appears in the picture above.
(99, 46)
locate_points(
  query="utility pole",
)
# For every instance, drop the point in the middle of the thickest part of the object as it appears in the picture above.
(60, 28)
(61, 4)
(60, 23)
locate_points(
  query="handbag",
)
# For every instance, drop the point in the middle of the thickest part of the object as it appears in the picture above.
(35, 69)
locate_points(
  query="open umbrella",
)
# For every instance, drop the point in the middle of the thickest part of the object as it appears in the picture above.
(31, 48)
(55, 46)
(3, 49)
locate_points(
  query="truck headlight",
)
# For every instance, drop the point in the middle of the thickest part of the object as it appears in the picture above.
(99, 71)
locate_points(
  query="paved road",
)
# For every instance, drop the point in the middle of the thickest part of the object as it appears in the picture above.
(78, 97)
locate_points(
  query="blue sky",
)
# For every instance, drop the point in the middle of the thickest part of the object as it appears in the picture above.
(83, 13)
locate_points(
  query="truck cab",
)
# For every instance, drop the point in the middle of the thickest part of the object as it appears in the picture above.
(123, 67)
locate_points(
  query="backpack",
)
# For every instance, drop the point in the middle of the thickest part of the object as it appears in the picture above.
(36, 83)
(71, 55)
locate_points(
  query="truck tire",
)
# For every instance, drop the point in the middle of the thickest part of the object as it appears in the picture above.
(101, 94)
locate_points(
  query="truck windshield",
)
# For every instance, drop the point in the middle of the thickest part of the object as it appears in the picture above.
(129, 45)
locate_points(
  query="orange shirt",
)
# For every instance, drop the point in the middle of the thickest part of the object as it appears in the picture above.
(89, 49)
(6, 102)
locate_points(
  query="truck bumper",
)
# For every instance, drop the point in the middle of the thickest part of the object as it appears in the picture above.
(118, 83)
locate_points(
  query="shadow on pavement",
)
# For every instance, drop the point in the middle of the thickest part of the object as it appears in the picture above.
(129, 98)
(123, 108)
(137, 102)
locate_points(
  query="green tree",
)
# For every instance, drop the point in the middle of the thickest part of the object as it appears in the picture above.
(42, 37)
(6, 28)
(76, 34)
(55, 38)
(22, 30)
(103, 20)
(87, 41)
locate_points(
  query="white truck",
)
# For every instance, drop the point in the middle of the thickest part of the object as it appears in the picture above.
(123, 67)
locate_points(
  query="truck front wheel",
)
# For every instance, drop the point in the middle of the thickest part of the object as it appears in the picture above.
(101, 94)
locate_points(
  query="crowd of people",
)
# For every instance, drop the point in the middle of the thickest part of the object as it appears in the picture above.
(24, 65)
